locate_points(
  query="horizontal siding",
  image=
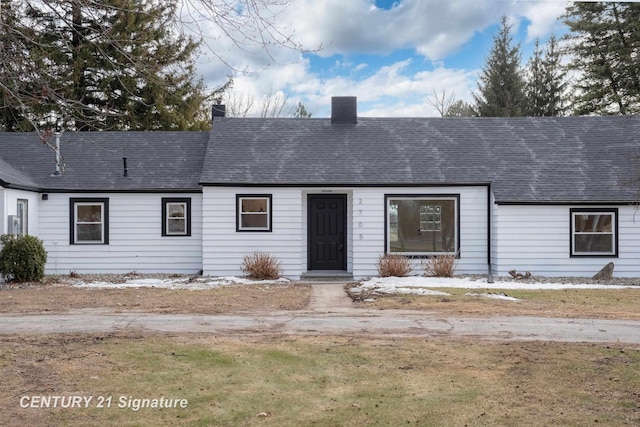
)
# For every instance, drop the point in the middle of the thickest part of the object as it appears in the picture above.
(3, 210)
(9, 206)
(135, 237)
(224, 248)
(369, 220)
(537, 239)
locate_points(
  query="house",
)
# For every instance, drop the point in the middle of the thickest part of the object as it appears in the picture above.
(553, 196)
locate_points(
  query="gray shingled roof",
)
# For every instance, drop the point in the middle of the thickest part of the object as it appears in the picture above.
(156, 160)
(9, 176)
(571, 159)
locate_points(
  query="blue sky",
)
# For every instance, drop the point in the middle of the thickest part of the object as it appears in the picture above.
(392, 55)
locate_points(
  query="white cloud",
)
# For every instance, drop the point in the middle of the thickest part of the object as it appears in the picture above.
(432, 29)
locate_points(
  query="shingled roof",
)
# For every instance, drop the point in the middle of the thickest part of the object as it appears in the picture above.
(10, 177)
(94, 161)
(569, 159)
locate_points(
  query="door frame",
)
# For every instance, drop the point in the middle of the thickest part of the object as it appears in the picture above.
(345, 200)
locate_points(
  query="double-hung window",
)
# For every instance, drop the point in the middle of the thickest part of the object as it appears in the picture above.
(422, 224)
(176, 216)
(89, 221)
(253, 212)
(594, 232)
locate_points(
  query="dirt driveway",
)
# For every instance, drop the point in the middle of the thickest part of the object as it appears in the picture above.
(275, 309)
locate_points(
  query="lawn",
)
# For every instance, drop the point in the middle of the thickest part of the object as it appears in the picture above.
(574, 303)
(321, 380)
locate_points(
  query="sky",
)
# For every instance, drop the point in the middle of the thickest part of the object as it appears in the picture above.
(394, 56)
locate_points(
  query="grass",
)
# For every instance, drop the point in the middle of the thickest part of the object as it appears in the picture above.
(225, 299)
(324, 381)
(582, 303)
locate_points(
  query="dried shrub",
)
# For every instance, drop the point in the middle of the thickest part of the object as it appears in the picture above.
(261, 266)
(393, 265)
(440, 265)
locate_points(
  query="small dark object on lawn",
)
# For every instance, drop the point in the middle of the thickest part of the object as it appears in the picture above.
(519, 276)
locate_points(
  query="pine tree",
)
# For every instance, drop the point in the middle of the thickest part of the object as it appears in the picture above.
(301, 112)
(501, 86)
(546, 81)
(460, 108)
(605, 43)
(110, 65)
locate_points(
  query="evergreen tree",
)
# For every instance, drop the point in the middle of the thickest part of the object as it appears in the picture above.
(605, 43)
(110, 65)
(460, 108)
(120, 64)
(301, 112)
(501, 86)
(546, 81)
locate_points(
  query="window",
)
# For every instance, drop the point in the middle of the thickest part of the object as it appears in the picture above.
(23, 217)
(422, 225)
(253, 212)
(594, 232)
(176, 217)
(89, 221)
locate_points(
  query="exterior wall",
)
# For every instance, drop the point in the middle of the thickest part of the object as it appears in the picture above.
(537, 239)
(3, 211)
(224, 247)
(135, 236)
(9, 206)
(369, 221)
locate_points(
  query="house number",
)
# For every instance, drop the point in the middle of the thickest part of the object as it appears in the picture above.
(360, 224)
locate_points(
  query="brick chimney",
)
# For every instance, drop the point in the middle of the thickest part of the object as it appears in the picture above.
(344, 109)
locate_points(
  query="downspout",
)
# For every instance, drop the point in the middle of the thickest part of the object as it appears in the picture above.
(489, 243)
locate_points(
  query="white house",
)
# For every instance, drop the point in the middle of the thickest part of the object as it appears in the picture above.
(553, 196)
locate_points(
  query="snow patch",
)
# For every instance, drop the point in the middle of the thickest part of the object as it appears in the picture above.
(201, 283)
(468, 283)
(500, 296)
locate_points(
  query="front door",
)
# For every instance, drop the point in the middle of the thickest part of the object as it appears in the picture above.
(327, 232)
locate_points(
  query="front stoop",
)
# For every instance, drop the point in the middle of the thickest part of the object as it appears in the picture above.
(327, 276)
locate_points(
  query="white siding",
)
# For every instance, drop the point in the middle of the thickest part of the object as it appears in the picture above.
(224, 248)
(537, 239)
(9, 206)
(369, 219)
(3, 211)
(135, 236)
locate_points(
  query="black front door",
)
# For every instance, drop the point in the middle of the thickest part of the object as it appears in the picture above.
(327, 232)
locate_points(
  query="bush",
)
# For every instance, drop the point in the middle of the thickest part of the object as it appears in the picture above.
(261, 266)
(393, 265)
(440, 265)
(22, 258)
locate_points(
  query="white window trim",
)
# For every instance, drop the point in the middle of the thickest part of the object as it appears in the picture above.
(241, 213)
(169, 219)
(23, 215)
(76, 240)
(612, 233)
